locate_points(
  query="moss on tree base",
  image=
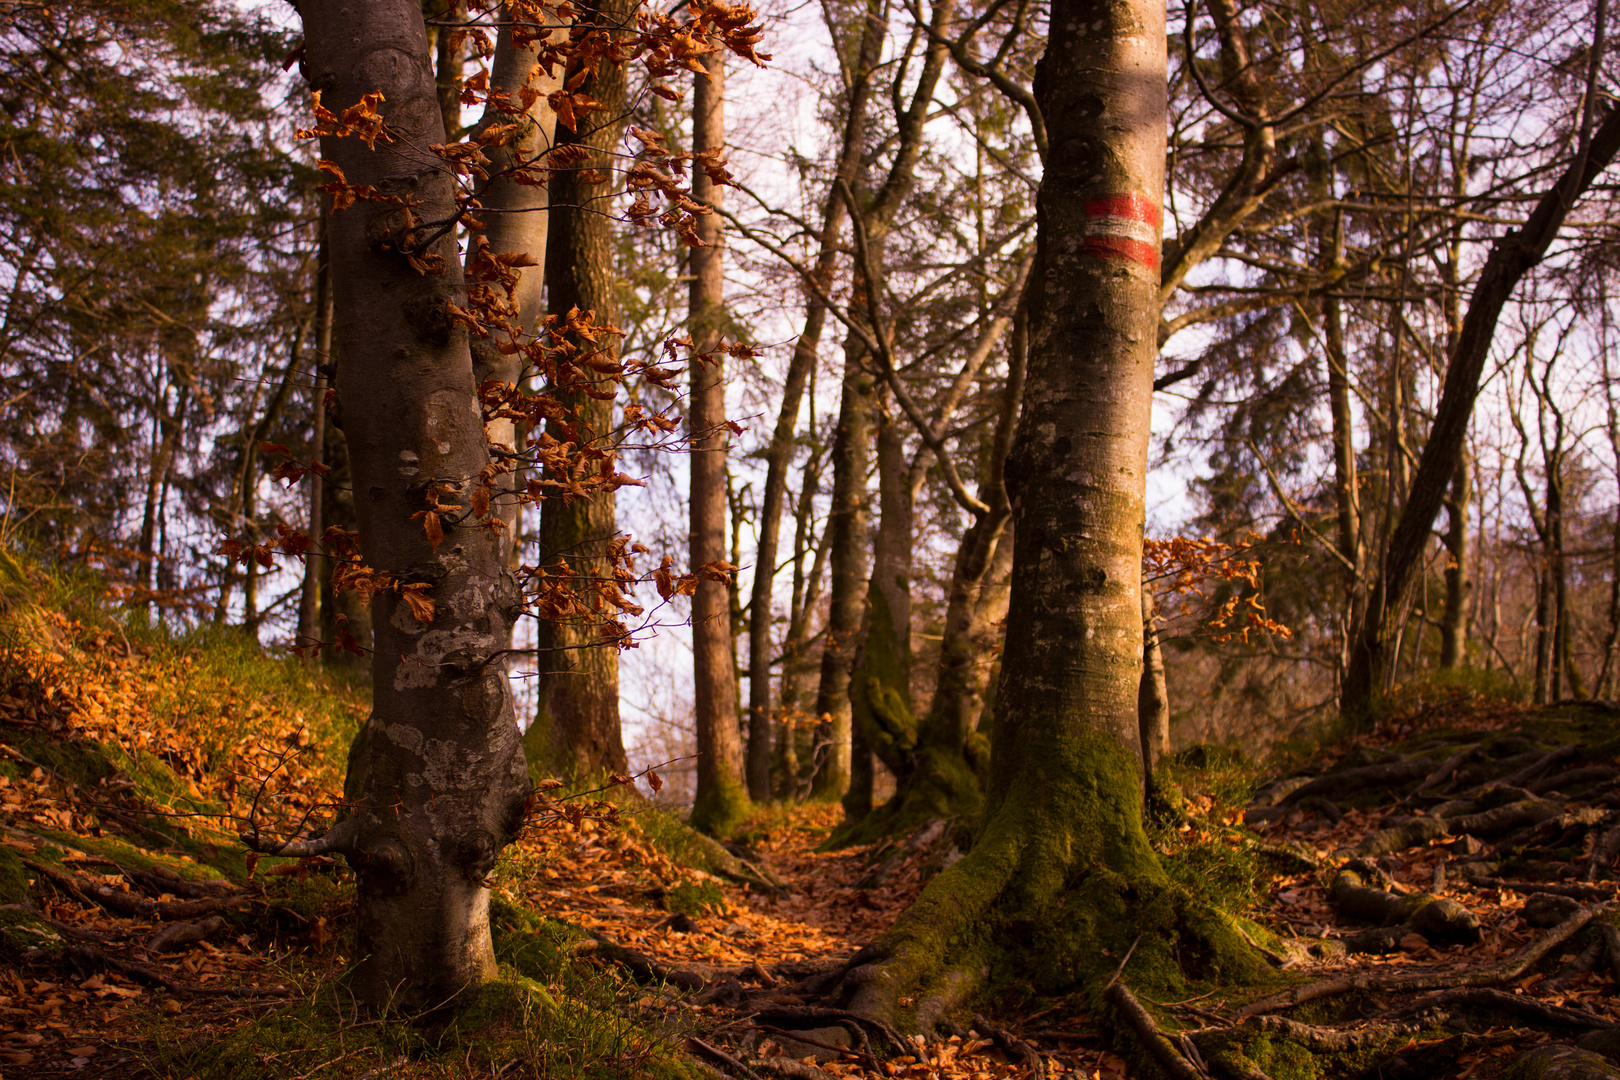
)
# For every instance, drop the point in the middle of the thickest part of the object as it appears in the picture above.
(1060, 886)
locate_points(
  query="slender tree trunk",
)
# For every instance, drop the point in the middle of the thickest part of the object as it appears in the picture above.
(1454, 621)
(165, 434)
(309, 596)
(516, 223)
(1346, 485)
(722, 796)
(437, 781)
(795, 667)
(846, 524)
(1609, 674)
(576, 730)
(1153, 695)
(779, 453)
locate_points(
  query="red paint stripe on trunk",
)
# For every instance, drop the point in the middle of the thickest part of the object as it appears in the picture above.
(1136, 250)
(1135, 207)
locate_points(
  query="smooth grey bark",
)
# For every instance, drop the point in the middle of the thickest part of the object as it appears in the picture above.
(721, 799)
(437, 781)
(576, 731)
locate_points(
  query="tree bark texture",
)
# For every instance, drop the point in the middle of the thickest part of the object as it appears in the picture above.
(576, 730)
(721, 799)
(437, 782)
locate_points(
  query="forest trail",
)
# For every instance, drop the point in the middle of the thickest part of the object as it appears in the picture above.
(1438, 898)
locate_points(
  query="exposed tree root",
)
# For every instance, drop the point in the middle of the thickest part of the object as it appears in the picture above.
(1170, 1059)
(1491, 975)
(126, 903)
(1514, 1004)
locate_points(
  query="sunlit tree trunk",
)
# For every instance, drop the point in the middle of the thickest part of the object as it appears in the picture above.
(1061, 879)
(722, 798)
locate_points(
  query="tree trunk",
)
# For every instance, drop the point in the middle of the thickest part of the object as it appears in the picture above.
(791, 723)
(1152, 696)
(1346, 486)
(1454, 621)
(517, 222)
(880, 685)
(437, 781)
(779, 453)
(722, 799)
(1061, 878)
(576, 729)
(846, 524)
(309, 596)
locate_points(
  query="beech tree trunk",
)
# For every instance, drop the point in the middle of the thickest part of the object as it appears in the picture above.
(576, 729)
(437, 781)
(1061, 878)
(517, 222)
(880, 684)
(722, 799)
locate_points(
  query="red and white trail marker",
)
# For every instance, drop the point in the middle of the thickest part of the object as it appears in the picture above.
(1124, 226)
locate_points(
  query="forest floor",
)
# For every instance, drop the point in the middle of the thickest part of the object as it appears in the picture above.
(1438, 899)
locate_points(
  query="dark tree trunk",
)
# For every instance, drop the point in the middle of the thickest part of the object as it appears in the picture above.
(722, 797)
(576, 729)
(437, 781)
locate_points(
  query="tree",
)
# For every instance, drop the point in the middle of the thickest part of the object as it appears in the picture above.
(1514, 256)
(437, 780)
(1061, 876)
(576, 730)
(721, 801)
